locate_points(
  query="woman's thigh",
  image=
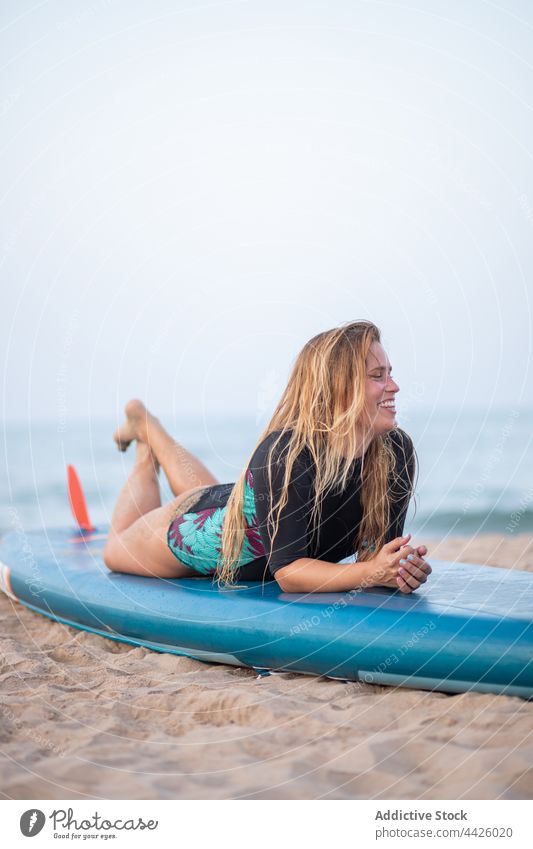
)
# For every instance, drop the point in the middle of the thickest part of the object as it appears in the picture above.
(142, 549)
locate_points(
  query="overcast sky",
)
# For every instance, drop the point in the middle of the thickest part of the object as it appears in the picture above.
(190, 191)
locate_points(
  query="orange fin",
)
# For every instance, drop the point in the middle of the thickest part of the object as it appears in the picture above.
(77, 500)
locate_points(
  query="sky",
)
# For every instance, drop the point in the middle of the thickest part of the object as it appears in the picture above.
(190, 191)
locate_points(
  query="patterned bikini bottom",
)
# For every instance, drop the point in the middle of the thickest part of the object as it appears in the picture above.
(195, 532)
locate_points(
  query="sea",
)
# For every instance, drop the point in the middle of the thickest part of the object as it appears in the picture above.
(475, 467)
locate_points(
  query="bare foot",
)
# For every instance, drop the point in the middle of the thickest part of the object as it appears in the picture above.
(134, 428)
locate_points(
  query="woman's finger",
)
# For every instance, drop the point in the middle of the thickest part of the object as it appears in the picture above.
(409, 579)
(395, 544)
(418, 574)
(420, 562)
(403, 585)
(426, 567)
(405, 551)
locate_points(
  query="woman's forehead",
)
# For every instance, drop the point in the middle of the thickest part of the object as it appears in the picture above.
(377, 356)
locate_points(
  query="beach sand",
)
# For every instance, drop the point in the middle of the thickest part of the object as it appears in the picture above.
(85, 717)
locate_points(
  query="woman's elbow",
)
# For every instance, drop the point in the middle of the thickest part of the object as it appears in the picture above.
(287, 581)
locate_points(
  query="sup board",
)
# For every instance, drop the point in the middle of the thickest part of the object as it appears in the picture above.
(470, 627)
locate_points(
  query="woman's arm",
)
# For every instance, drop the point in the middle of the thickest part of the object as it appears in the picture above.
(307, 575)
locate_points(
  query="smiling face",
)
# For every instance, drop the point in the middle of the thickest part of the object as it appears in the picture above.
(380, 391)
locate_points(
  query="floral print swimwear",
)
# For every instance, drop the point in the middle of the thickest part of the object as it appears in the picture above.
(194, 536)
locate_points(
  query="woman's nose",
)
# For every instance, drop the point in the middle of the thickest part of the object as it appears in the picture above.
(392, 386)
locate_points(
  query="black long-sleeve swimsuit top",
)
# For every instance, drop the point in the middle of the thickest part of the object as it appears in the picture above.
(341, 510)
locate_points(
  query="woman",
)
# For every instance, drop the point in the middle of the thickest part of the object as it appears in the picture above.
(330, 475)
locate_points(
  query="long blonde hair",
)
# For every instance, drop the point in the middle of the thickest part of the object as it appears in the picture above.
(323, 407)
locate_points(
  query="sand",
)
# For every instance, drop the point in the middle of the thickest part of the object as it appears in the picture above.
(85, 717)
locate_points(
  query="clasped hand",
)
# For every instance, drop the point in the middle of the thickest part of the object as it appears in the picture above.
(400, 566)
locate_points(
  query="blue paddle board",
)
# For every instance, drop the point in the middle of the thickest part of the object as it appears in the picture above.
(468, 628)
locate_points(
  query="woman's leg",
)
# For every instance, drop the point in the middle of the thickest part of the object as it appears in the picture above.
(142, 549)
(183, 470)
(140, 494)
(137, 539)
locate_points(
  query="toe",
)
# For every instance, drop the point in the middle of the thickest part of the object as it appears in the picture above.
(121, 440)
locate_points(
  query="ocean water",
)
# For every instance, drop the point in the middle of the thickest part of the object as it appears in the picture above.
(475, 468)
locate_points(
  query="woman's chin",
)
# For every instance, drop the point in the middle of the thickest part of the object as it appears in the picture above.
(383, 425)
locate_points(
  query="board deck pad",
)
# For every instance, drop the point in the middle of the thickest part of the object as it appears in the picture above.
(469, 627)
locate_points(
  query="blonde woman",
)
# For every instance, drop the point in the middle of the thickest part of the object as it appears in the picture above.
(330, 475)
